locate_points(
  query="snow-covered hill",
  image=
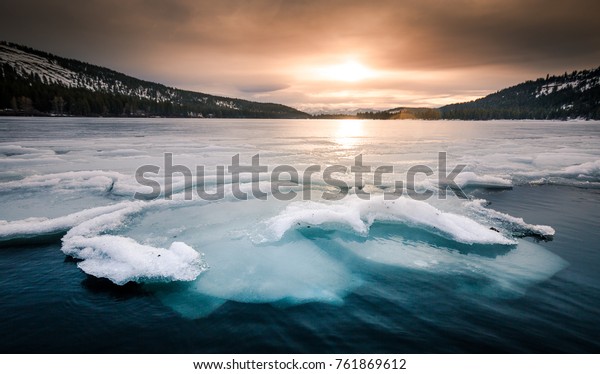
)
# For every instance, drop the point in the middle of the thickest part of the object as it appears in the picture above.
(571, 95)
(52, 70)
(579, 81)
(41, 69)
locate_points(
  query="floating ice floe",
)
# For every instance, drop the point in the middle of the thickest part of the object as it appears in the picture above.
(88, 180)
(467, 179)
(514, 225)
(358, 215)
(123, 260)
(591, 169)
(40, 226)
(114, 257)
(10, 150)
(286, 272)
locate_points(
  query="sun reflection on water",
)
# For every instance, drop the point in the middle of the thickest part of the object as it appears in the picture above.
(349, 132)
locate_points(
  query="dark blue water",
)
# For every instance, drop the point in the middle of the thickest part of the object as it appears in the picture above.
(48, 305)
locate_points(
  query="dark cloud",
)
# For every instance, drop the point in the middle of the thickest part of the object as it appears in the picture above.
(263, 88)
(253, 47)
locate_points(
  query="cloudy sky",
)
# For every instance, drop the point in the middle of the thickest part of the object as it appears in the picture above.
(319, 54)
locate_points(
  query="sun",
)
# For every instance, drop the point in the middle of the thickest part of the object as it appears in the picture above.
(349, 71)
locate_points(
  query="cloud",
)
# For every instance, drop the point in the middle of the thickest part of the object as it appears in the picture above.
(252, 47)
(263, 88)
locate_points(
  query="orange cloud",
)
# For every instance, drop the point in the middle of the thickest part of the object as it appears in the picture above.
(394, 53)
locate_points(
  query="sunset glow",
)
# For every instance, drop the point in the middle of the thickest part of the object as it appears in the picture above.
(319, 55)
(349, 71)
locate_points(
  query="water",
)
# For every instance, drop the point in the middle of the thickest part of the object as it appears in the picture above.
(299, 276)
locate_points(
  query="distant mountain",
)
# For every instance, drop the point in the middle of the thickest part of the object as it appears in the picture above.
(38, 83)
(574, 95)
(316, 111)
(411, 113)
(396, 113)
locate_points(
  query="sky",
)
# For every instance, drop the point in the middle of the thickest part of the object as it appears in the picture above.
(327, 55)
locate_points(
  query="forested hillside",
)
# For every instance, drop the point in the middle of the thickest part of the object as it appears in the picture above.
(568, 96)
(38, 83)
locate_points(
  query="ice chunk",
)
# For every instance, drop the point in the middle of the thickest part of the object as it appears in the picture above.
(469, 179)
(591, 168)
(92, 179)
(10, 150)
(358, 215)
(37, 226)
(117, 258)
(123, 260)
(515, 225)
(122, 153)
(290, 271)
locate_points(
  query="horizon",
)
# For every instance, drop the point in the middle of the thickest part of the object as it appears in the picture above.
(333, 57)
(314, 112)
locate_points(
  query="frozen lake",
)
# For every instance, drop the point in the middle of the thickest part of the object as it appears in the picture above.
(322, 263)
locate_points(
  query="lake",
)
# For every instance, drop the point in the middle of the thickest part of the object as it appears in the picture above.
(277, 236)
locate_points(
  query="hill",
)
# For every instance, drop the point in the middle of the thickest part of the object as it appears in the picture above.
(38, 83)
(568, 96)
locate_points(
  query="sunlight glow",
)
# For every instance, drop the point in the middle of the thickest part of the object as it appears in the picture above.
(349, 71)
(349, 132)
